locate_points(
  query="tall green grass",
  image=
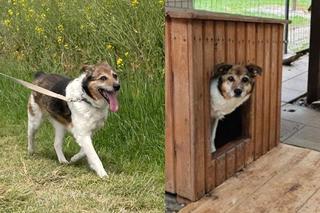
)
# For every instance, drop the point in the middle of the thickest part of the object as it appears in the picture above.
(58, 36)
(244, 7)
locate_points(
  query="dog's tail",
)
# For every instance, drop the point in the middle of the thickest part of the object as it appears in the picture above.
(38, 74)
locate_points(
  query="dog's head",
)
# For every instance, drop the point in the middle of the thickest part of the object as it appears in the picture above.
(102, 83)
(236, 81)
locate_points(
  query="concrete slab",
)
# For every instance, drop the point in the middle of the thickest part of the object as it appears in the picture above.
(289, 128)
(299, 83)
(307, 137)
(288, 95)
(301, 115)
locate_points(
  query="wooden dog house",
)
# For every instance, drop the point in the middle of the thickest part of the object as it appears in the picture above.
(195, 42)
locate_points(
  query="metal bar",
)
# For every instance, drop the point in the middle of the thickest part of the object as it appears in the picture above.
(314, 56)
(286, 33)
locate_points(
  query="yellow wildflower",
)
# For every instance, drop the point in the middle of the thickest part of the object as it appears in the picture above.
(31, 13)
(7, 23)
(134, 3)
(19, 55)
(60, 28)
(66, 46)
(59, 39)
(119, 62)
(109, 46)
(161, 2)
(43, 16)
(126, 54)
(39, 30)
(10, 12)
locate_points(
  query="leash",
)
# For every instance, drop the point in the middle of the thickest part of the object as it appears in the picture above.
(38, 89)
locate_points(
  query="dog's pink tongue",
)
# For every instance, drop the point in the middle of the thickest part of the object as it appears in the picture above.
(113, 105)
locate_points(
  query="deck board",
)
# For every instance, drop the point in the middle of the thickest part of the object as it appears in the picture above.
(286, 179)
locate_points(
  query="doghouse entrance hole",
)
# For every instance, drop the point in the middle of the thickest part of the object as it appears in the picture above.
(231, 128)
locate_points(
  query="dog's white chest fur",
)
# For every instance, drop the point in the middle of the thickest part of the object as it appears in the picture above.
(84, 115)
(221, 106)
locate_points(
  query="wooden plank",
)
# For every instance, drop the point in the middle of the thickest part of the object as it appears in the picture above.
(259, 92)
(236, 190)
(312, 204)
(241, 59)
(180, 69)
(169, 146)
(240, 156)
(273, 86)
(289, 191)
(279, 87)
(209, 44)
(231, 42)
(204, 15)
(195, 35)
(220, 169)
(240, 45)
(314, 56)
(249, 106)
(230, 163)
(220, 42)
(266, 89)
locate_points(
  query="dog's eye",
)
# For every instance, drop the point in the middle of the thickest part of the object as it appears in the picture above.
(231, 79)
(245, 79)
(103, 78)
(115, 76)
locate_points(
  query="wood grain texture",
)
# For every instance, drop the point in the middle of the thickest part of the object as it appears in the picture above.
(169, 128)
(195, 35)
(259, 98)
(289, 191)
(240, 156)
(250, 109)
(279, 81)
(230, 163)
(261, 176)
(209, 47)
(220, 169)
(273, 86)
(220, 42)
(266, 91)
(181, 108)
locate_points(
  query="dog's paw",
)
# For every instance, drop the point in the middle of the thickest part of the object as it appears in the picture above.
(213, 148)
(30, 151)
(102, 174)
(63, 161)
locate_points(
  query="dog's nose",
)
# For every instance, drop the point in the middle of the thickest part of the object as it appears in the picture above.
(237, 92)
(116, 87)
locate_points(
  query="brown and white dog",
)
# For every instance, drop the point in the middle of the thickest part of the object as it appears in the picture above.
(230, 86)
(96, 89)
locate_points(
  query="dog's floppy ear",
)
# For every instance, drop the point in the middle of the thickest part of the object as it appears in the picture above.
(220, 69)
(254, 70)
(87, 68)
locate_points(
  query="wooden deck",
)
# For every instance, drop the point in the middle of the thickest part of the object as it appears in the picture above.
(287, 179)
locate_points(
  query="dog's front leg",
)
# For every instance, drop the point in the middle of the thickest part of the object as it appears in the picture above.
(94, 161)
(78, 156)
(213, 134)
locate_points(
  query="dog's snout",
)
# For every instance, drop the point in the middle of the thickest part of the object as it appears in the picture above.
(116, 87)
(237, 92)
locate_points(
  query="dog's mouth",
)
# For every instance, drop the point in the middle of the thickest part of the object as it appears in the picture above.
(111, 98)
